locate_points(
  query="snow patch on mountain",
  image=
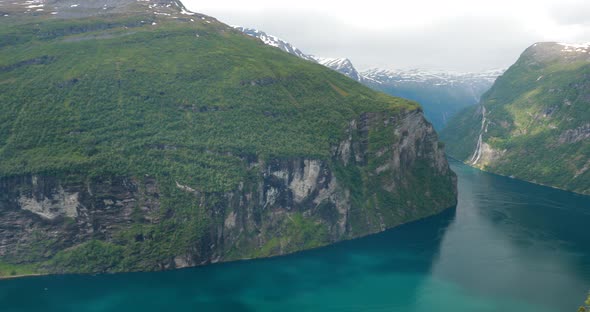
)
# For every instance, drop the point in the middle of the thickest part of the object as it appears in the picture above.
(436, 78)
(575, 47)
(274, 42)
(342, 65)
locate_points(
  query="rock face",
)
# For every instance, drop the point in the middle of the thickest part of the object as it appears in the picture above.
(43, 214)
(578, 134)
(533, 123)
(289, 205)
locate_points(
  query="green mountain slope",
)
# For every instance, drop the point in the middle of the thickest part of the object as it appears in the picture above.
(534, 122)
(143, 137)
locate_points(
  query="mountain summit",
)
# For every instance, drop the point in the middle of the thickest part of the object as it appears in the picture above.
(86, 8)
(342, 65)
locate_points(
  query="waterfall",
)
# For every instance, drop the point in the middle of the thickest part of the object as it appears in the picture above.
(477, 153)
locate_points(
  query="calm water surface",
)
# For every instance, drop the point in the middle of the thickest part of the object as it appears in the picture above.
(508, 246)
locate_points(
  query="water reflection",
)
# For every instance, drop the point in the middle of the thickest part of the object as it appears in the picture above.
(522, 241)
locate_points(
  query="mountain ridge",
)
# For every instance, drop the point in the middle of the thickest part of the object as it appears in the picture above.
(341, 65)
(77, 9)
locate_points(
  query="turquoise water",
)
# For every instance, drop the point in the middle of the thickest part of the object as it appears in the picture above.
(508, 246)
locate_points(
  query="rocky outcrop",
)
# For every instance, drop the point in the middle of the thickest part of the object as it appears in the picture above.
(41, 215)
(575, 135)
(388, 169)
(488, 155)
(484, 153)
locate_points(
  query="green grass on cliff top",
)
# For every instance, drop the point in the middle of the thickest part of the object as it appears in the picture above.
(121, 96)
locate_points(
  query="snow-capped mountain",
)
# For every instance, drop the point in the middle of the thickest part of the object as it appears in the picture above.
(274, 42)
(342, 65)
(437, 78)
(575, 47)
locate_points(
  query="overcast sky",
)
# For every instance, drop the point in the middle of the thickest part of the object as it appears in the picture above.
(460, 35)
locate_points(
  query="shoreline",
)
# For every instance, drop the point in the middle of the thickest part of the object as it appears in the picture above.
(22, 276)
(516, 178)
(441, 211)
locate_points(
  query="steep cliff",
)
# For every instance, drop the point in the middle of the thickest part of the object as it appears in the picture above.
(374, 179)
(533, 123)
(152, 138)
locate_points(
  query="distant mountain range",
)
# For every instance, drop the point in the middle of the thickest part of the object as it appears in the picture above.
(437, 78)
(441, 94)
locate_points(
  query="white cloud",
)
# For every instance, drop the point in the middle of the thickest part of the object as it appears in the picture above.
(466, 34)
